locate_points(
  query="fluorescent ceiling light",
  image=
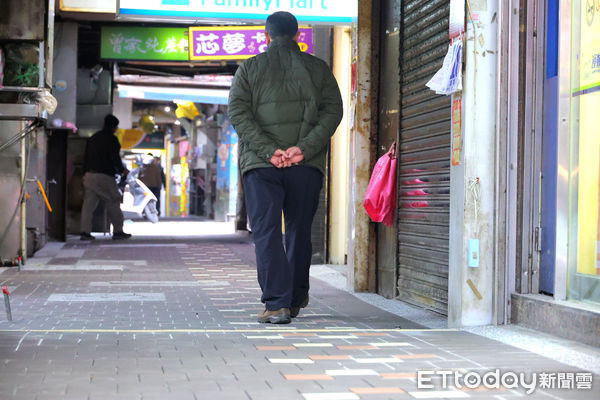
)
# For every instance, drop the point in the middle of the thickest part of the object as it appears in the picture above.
(207, 96)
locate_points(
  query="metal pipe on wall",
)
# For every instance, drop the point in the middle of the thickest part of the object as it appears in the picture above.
(501, 294)
(510, 160)
(564, 126)
(23, 205)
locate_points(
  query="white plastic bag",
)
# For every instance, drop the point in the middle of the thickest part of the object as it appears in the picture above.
(448, 79)
(47, 102)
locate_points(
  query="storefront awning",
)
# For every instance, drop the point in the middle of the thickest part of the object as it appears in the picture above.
(206, 96)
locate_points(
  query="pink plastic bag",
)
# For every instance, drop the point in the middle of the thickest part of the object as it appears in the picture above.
(380, 199)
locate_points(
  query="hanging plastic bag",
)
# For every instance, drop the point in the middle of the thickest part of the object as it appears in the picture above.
(380, 199)
(448, 79)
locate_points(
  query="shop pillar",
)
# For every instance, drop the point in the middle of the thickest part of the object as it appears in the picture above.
(473, 184)
(361, 244)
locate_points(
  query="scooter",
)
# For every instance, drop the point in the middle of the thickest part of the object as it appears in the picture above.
(138, 200)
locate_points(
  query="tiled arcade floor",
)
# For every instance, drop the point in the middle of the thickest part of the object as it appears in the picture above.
(176, 319)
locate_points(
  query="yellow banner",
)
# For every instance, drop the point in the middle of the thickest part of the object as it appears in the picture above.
(587, 98)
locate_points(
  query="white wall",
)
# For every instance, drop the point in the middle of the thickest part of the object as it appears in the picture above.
(339, 155)
(471, 218)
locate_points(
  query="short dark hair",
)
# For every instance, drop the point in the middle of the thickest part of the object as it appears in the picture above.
(282, 23)
(110, 122)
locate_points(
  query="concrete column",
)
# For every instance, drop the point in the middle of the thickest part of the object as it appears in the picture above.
(65, 71)
(361, 244)
(123, 110)
(473, 197)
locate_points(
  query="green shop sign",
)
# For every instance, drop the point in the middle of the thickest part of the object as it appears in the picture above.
(154, 140)
(141, 43)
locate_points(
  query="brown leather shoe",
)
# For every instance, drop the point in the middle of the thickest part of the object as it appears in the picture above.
(294, 311)
(281, 316)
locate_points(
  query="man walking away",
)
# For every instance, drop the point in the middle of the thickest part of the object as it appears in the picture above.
(285, 106)
(102, 163)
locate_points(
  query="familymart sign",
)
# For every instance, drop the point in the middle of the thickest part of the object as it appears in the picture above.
(324, 12)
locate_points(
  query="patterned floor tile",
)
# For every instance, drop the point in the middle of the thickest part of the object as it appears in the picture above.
(200, 339)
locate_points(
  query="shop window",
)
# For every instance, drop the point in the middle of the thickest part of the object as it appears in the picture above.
(584, 177)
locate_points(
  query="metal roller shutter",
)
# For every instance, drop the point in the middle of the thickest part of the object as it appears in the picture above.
(424, 158)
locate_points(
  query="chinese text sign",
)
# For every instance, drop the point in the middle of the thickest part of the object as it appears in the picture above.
(236, 43)
(140, 43)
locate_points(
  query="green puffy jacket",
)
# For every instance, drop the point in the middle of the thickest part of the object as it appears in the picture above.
(284, 98)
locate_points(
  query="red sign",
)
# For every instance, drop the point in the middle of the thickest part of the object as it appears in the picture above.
(456, 129)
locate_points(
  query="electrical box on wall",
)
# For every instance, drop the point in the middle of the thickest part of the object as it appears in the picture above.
(474, 253)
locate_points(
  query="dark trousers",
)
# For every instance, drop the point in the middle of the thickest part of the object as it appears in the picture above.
(156, 192)
(283, 273)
